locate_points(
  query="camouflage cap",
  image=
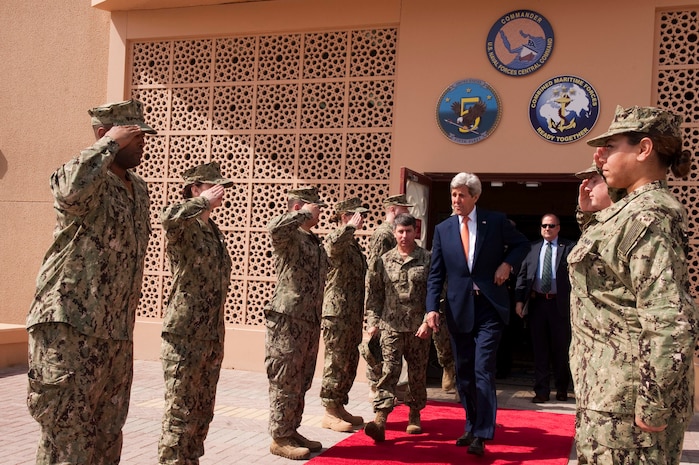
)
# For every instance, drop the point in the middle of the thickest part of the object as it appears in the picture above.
(588, 173)
(125, 113)
(353, 205)
(308, 194)
(209, 173)
(400, 200)
(640, 119)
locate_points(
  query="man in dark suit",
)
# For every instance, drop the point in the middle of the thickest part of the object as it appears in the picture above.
(543, 289)
(475, 251)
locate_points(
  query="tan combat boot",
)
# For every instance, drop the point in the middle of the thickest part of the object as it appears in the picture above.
(414, 422)
(376, 429)
(287, 448)
(449, 379)
(354, 420)
(333, 420)
(303, 441)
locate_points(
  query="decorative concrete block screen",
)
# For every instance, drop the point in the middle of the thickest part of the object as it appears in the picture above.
(276, 111)
(677, 89)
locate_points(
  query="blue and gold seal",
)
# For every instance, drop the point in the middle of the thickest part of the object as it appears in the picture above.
(468, 111)
(519, 43)
(564, 109)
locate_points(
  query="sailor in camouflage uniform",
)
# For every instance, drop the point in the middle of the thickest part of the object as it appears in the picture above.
(396, 304)
(193, 327)
(82, 318)
(343, 315)
(593, 195)
(634, 321)
(381, 241)
(293, 320)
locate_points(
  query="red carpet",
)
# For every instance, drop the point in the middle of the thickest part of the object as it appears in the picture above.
(522, 436)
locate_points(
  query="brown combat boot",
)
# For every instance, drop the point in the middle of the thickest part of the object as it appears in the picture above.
(333, 420)
(303, 441)
(354, 420)
(376, 429)
(414, 422)
(287, 448)
(448, 379)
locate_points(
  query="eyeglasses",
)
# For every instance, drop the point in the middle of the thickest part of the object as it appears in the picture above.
(549, 226)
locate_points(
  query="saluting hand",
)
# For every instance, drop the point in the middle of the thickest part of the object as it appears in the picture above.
(123, 135)
(357, 221)
(584, 196)
(214, 195)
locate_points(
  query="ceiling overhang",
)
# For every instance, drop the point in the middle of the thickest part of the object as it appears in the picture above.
(130, 5)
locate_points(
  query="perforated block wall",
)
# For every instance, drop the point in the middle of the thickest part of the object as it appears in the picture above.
(276, 111)
(677, 89)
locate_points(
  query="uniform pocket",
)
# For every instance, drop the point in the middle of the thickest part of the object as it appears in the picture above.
(50, 393)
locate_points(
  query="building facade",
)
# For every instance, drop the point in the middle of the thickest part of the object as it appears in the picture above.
(338, 94)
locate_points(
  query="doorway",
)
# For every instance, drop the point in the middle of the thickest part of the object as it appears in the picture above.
(524, 198)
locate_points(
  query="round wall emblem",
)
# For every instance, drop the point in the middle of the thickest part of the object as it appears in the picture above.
(468, 111)
(564, 109)
(519, 43)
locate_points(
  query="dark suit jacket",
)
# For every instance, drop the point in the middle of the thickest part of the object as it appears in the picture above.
(497, 241)
(527, 275)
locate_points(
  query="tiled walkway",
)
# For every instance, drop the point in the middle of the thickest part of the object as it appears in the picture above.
(238, 433)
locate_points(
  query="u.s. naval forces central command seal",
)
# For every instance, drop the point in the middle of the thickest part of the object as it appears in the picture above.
(468, 111)
(564, 109)
(519, 43)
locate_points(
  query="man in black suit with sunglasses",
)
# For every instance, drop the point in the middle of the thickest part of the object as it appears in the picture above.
(543, 295)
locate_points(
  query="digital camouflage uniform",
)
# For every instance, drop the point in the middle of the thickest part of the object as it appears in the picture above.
(343, 315)
(293, 319)
(442, 345)
(396, 295)
(381, 241)
(82, 318)
(193, 329)
(634, 329)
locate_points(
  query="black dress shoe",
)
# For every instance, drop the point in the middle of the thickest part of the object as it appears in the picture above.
(562, 396)
(477, 447)
(465, 440)
(537, 399)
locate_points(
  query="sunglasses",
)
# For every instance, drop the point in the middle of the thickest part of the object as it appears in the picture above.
(548, 226)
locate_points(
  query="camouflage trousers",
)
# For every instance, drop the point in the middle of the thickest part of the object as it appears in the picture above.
(371, 352)
(341, 342)
(191, 369)
(603, 438)
(394, 347)
(442, 343)
(79, 388)
(291, 348)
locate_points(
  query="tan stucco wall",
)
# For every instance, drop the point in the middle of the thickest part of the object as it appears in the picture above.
(54, 63)
(63, 57)
(440, 45)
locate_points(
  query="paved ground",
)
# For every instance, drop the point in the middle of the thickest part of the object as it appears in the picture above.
(238, 433)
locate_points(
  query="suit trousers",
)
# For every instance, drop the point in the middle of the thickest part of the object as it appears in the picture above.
(475, 355)
(550, 333)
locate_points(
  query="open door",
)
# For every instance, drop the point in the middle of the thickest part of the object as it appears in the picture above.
(416, 186)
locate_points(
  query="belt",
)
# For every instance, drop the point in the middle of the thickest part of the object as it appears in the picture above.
(539, 295)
